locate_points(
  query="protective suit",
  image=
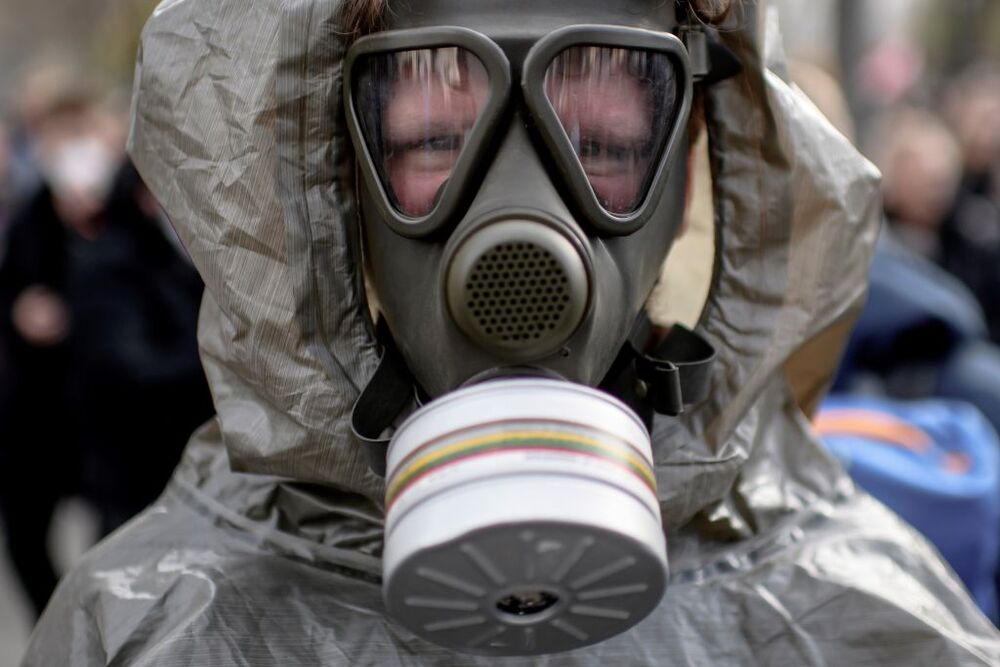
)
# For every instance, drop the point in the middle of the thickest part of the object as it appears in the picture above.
(265, 547)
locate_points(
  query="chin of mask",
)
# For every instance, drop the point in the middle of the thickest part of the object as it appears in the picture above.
(514, 229)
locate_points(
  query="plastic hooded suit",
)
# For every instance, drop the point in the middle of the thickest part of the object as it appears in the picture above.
(264, 548)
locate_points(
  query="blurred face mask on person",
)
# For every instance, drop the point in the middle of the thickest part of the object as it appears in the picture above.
(79, 171)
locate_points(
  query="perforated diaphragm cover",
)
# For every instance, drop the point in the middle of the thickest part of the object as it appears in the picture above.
(517, 288)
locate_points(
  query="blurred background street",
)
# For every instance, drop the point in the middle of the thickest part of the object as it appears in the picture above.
(100, 382)
(73, 531)
(914, 83)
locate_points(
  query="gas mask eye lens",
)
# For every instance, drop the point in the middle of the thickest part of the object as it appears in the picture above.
(617, 106)
(417, 108)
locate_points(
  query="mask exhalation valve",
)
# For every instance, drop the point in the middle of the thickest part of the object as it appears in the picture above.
(517, 288)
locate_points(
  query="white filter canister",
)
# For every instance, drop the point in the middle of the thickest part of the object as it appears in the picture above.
(522, 518)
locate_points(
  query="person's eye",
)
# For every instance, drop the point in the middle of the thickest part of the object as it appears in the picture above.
(592, 149)
(619, 152)
(448, 143)
(428, 154)
(431, 153)
(441, 143)
(597, 149)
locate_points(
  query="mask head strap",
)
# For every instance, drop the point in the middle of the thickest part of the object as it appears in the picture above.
(389, 392)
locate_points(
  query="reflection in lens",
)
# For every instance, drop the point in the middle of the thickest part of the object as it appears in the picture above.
(617, 106)
(417, 109)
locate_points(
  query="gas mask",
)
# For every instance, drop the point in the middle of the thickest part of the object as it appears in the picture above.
(522, 178)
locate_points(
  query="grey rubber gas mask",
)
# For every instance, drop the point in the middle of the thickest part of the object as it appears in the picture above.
(523, 176)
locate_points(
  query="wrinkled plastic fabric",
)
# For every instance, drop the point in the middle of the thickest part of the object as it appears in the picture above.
(775, 558)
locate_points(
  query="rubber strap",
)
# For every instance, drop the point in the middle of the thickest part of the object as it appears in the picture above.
(386, 395)
(676, 374)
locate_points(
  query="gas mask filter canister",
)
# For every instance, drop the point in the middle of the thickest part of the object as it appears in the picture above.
(522, 518)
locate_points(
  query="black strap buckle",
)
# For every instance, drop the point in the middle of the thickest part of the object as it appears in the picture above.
(677, 373)
(711, 60)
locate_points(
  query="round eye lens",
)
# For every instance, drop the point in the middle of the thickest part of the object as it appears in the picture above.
(617, 106)
(416, 109)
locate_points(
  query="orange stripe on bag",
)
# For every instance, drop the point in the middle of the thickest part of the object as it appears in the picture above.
(874, 425)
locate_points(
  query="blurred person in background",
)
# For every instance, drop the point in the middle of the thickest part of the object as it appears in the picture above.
(921, 166)
(921, 335)
(923, 332)
(970, 234)
(39, 441)
(973, 108)
(138, 371)
(99, 311)
(37, 92)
